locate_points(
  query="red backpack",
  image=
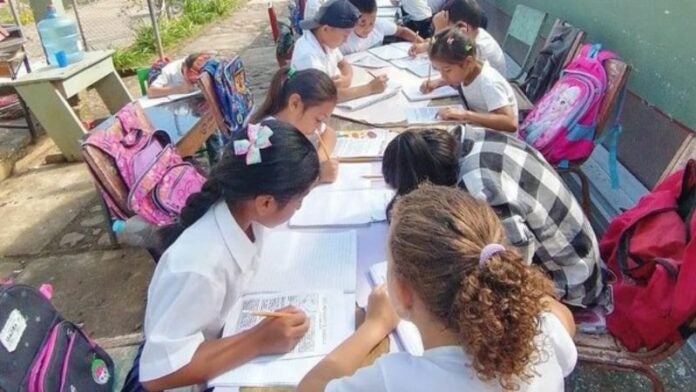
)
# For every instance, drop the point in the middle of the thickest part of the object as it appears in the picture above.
(652, 250)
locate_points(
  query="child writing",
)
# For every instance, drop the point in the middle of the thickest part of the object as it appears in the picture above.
(318, 47)
(489, 100)
(178, 77)
(467, 16)
(487, 320)
(212, 253)
(541, 217)
(371, 31)
(304, 99)
(417, 16)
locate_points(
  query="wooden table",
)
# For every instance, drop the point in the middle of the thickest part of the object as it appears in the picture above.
(47, 90)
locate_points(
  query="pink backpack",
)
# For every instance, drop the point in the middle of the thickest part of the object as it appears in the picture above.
(138, 171)
(563, 124)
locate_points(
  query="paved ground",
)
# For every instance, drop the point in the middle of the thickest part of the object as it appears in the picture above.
(53, 230)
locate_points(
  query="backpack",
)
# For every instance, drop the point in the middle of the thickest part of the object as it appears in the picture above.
(651, 248)
(156, 69)
(138, 171)
(235, 100)
(40, 351)
(548, 64)
(563, 123)
(285, 44)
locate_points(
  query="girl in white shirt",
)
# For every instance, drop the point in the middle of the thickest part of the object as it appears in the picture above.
(212, 253)
(304, 99)
(488, 99)
(487, 320)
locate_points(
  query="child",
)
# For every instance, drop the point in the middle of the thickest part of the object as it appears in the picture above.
(468, 17)
(178, 77)
(318, 48)
(540, 215)
(211, 254)
(418, 16)
(489, 100)
(304, 99)
(487, 320)
(371, 31)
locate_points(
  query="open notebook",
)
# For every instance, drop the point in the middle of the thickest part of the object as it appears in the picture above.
(365, 145)
(424, 115)
(313, 271)
(363, 102)
(391, 52)
(406, 335)
(413, 93)
(335, 208)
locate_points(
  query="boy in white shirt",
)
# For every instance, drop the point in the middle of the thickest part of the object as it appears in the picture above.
(468, 17)
(418, 16)
(318, 48)
(178, 77)
(371, 31)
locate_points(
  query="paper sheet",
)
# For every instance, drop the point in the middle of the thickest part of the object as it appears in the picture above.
(363, 102)
(424, 115)
(369, 143)
(390, 52)
(407, 335)
(413, 93)
(419, 66)
(369, 61)
(351, 176)
(342, 208)
(307, 260)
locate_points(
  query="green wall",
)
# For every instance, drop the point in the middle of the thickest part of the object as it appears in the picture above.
(657, 37)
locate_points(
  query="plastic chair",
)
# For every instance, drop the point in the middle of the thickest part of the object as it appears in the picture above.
(143, 73)
(522, 34)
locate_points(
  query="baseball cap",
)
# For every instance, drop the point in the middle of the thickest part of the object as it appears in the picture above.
(340, 14)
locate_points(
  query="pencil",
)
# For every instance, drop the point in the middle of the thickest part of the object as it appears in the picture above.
(372, 176)
(264, 313)
(323, 146)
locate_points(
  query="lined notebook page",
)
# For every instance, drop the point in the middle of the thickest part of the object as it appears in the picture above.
(342, 208)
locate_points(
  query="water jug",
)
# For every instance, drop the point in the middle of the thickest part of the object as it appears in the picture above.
(59, 33)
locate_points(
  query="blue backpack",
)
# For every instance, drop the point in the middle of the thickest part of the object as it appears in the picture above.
(234, 98)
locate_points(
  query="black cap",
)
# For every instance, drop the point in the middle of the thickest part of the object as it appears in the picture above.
(335, 13)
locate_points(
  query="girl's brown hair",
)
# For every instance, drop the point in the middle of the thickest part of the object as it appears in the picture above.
(313, 86)
(451, 46)
(436, 238)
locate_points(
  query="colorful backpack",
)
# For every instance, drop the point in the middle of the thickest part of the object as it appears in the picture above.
(563, 124)
(651, 248)
(42, 352)
(138, 171)
(233, 96)
(156, 69)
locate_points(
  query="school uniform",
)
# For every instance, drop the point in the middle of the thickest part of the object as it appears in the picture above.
(448, 368)
(418, 16)
(170, 75)
(536, 209)
(488, 92)
(436, 5)
(489, 50)
(195, 284)
(311, 7)
(309, 53)
(383, 28)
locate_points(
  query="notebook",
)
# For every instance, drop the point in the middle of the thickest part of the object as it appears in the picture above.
(424, 115)
(390, 52)
(406, 334)
(313, 271)
(419, 66)
(413, 93)
(363, 102)
(363, 145)
(370, 61)
(336, 208)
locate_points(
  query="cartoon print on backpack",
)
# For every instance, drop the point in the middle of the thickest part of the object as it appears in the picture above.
(555, 110)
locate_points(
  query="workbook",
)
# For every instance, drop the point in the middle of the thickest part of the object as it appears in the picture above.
(336, 208)
(413, 93)
(363, 102)
(406, 334)
(315, 272)
(363, 145)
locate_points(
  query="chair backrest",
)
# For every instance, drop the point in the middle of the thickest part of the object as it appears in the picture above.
(206, 84)
(522, 35)
(143, 74)
(617, 77)
(577, 42)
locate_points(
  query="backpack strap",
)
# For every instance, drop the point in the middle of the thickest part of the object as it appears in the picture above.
(612, 135)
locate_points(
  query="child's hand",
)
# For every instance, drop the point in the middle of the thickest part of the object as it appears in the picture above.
(185, 88)
(328, 171)
(429, 85)
(441, 20)
(450, 113)
(279, 335)
(380, 312)
(378, 84)
(418, 47)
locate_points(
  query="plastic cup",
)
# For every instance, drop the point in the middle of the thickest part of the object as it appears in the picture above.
(62, 59)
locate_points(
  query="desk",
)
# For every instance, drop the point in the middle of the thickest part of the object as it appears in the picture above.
(46, 92)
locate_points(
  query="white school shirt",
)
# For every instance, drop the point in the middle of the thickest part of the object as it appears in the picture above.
(171, 75)
(436, 5)
(195, 284)
(311, 7)
(490, 50)
(448, 368)
(309, 53)
(417, 9)
(489, 91)
(382, 28)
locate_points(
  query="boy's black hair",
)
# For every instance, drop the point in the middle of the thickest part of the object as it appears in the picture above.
(467, 11)
(365, 6)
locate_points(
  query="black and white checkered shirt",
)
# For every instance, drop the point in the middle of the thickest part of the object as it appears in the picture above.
(538, 211)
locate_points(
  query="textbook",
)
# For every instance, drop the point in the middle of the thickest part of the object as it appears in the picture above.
(367, 145)
(406, 334)
(312, 271)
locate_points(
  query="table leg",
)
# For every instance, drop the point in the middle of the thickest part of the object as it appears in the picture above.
(56, 116)
(113, 92)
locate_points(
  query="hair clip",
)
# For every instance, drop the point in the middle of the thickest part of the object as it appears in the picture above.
(291, 72)
(468, 47)
(259, 138)
(450, 40)
(488, 251)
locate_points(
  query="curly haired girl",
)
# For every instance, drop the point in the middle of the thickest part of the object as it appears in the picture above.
(488, 321)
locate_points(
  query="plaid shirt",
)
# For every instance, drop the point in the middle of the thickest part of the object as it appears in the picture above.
(538, 211)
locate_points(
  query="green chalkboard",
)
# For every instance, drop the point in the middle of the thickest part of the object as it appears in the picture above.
(658, 38)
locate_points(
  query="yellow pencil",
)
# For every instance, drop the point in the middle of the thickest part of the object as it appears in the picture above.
(264, 313)
(323, 146)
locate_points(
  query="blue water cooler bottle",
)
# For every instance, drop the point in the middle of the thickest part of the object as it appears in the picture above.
(60, 38)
